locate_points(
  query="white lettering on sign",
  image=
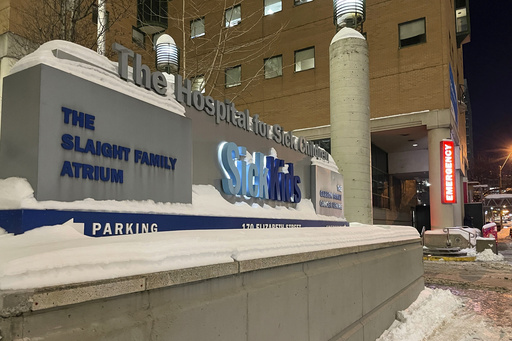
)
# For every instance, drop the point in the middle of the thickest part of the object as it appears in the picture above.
(448, 172)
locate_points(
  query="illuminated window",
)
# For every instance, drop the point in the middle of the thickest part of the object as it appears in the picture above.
(233, 76)
(198, 83)
(305, 59)
(197, 28)
(300, 2)
(412, 32)
(273, 67)
(273, 6)
(462, 20)
(233, 16)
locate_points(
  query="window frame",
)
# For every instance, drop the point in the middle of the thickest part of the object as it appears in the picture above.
(265, 7)
(422, 37)
(227, 23)
(226, 77)
(279, 74)
(295, 59)
(301, 2)
(193, 80)
(201, 19)
(139, 43)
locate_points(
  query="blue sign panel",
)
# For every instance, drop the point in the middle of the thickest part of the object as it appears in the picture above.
(102, 224)
(453, 97)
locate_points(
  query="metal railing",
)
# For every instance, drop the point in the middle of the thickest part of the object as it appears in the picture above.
(460, 228)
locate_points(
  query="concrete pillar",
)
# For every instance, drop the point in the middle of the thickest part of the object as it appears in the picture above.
(441, 215)
(350, 121)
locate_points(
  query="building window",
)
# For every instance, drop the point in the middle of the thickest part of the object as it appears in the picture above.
(300, 2)
(461, 20)
(152, 16)
(198, 83)
(273, 67)
(412, 32)
(138, 37)
(233, 76)
(324, 143)
(197, 28)
(233, 16)
(305, 59)
(272, 6)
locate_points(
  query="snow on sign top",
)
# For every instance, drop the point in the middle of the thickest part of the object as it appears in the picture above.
(89, 65)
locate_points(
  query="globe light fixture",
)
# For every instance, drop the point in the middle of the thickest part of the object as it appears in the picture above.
(167, 54)
(349, 13)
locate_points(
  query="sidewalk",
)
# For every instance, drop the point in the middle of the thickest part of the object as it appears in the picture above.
(488, 285)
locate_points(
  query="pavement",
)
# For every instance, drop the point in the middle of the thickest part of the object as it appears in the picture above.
(487, 285)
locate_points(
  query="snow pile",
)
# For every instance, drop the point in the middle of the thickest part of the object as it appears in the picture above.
(87, 64)
(489, 256)
(438, 315)
(16, 193)
(423, 316)
(57, 255)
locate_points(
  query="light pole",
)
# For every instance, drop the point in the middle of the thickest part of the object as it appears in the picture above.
(501, 208)
(501, 167)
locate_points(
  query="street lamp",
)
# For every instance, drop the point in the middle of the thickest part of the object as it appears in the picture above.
(501, 167)
(167, 54)
(501, 209)
(349, 13)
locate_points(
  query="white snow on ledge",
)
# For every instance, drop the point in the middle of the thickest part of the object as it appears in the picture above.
(56, 255)
(16, 193)
(89, 65)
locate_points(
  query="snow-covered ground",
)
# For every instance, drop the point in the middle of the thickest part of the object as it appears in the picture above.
(438, 315)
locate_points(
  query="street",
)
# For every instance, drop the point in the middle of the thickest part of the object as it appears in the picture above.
(488, 285)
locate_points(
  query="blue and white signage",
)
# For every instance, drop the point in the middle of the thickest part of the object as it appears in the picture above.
(264, 178)
(453, 97)
(106, 135)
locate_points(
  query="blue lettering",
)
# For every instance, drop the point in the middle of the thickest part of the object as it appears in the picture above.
(88, 172)
(262, 179)
(67, 142)
(273, 166)
(77, 145)
(66, 169)
(89, 121)
(89, 147)
(145, 159)
(116, 175)
(255, 179)
(66, 112)
(137, 155)
(77, 166)
(242, 170)
(173, 162)
(106, 150)
(229, 153)
(297, 196)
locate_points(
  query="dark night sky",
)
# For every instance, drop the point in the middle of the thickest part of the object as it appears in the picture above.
(488, 69)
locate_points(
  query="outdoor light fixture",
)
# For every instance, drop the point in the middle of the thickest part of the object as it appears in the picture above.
(349, 13)
(167, 54)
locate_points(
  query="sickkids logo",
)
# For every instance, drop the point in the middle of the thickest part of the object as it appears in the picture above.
(264, 177)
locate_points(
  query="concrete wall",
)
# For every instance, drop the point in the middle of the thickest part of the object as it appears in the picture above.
(342, 294)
